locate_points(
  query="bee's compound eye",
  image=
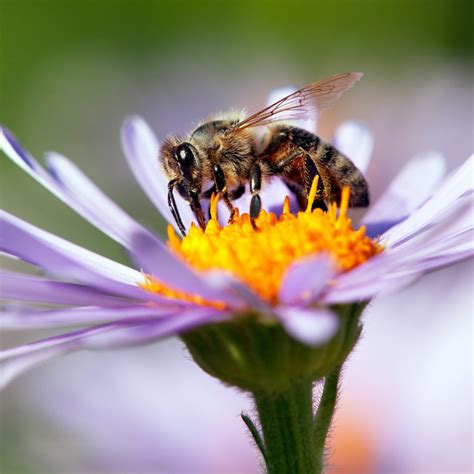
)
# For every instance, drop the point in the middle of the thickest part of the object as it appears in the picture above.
(185, 155)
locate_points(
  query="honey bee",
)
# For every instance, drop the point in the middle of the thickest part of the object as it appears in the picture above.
(225, 154)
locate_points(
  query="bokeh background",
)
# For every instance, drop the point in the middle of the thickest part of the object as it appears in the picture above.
(71, 71)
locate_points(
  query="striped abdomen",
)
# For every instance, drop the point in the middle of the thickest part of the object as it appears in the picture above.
(312, 155)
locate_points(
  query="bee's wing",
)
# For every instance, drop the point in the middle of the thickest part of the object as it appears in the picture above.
(316, 96)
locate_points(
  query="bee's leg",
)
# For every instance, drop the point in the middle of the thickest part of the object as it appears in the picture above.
(173, 208)
(195, 204)
(287, 161)
(237, 192)
(208, 194)
(221, 186)
(233, 195)
(255, 186)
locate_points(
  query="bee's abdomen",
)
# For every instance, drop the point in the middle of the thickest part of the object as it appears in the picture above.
(306, 140)
(340, 169)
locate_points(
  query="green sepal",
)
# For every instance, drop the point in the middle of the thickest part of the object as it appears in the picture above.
(255, 435)
(324, 415)
(257, 355)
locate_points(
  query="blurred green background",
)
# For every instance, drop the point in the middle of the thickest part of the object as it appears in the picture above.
(71, 71)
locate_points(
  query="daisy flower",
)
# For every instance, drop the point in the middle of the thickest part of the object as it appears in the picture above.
(269, 312)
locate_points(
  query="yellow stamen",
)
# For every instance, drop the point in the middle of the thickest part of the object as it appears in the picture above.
(173, 240)
(260, 259)
(213, 206)
(286, 205)
(312, 193)
(346, 193)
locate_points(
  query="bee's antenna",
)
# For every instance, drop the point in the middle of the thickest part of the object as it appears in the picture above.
(174, 208)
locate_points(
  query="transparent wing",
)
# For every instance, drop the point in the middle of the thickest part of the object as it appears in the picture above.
(316, 96)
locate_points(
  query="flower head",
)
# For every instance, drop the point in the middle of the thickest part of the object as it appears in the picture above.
(292, 274)
(261, 259)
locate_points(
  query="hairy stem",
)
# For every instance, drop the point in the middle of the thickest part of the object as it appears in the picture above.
(286, 420)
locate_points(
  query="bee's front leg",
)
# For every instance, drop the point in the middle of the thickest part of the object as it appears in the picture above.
(195, 204)
(221, 186)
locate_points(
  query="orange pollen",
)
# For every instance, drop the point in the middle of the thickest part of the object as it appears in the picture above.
(260, 258)
(153, 285)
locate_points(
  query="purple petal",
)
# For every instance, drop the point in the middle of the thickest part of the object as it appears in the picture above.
(388, 274)
(141, 149)
(306, 279)
(366, 290)
(149, 332)
(455, 247)
(310, 326)
(61, 257)
(14, 151)
(364, 279)
(357, 142)
(454, 222)
(18, 287)
(236, 292)
(309, 122)
(458, 184)
(15, 361)
(415, 183)
(446, 241)
(441, 261)
(89, 201)
(21, 318)
(177, 274)
(72, 187)
(400, 269)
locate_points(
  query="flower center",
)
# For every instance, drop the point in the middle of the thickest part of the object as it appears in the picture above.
(260, 258)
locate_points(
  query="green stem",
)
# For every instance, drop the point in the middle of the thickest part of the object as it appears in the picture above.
(293, 439)
(324, 415)
(286, 419)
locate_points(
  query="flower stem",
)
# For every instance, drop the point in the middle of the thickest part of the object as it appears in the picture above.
(293, 439)
(286, 419)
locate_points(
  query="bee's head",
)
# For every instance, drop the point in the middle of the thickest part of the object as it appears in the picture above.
(181, 163)
(182, 166)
